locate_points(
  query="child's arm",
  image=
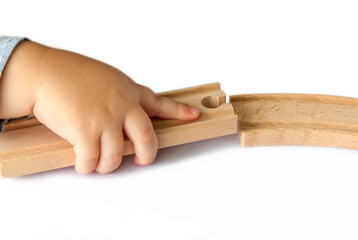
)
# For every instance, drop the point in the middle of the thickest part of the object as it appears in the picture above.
(86, 102)
(7, 45)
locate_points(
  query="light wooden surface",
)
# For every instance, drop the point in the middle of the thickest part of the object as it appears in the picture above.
(297, 119)
(28, 147)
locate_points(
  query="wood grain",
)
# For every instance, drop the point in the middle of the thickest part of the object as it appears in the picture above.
(28, 147)
(297, 119)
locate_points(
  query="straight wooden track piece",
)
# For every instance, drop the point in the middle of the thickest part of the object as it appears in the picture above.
(28, 147)
(297, 119)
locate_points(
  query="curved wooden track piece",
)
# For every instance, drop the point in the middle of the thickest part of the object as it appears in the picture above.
(297, 119)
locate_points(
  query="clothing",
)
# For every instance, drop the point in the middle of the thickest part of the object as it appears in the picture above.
(7, 45)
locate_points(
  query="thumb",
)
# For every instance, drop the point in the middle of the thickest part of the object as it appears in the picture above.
(163, 107)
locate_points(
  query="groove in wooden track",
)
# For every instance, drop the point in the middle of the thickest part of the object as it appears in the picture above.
(297, 119)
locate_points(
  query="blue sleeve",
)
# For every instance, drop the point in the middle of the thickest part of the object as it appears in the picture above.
(7, 45)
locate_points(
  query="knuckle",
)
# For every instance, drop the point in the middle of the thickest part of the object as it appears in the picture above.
(158, 100)
(147, 135)
(130, 80)
(146, 89)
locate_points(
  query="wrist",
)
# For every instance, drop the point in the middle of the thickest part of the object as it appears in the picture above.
(21, 81)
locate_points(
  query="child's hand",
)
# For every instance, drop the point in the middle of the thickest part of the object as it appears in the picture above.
(86, 102)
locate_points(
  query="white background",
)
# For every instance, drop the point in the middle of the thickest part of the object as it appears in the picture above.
(213, 189)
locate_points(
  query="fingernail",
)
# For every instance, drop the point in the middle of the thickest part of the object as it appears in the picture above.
(193, 110)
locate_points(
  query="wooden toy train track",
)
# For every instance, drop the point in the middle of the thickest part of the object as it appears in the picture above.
(297, 119)
(28, 147)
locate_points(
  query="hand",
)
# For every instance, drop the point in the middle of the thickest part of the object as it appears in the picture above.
(86, 102)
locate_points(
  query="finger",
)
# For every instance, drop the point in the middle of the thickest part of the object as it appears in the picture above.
(140, 131)
(111, 150)
(87, 153)
(163, 107)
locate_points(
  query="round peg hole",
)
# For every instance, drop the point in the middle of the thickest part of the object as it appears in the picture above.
(212, 101)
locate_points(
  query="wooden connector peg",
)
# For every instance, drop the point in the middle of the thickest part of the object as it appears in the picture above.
(28, 147)
(297, 119)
